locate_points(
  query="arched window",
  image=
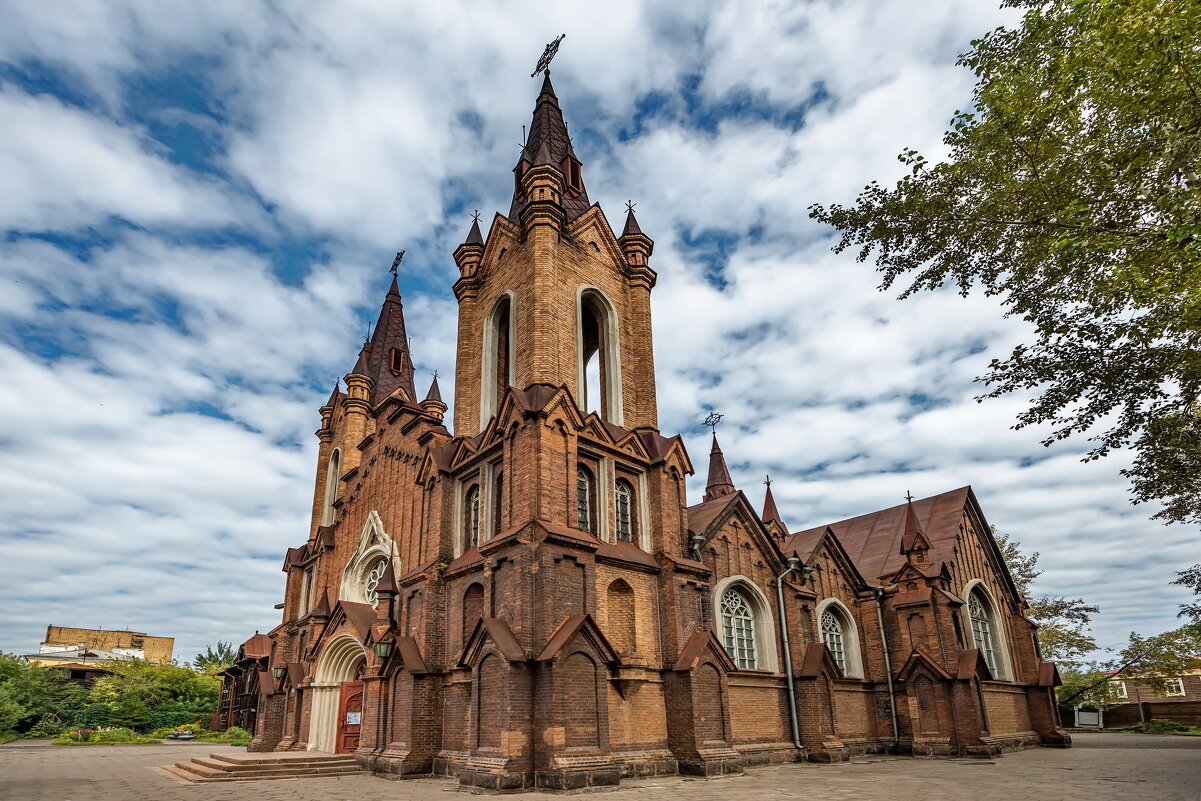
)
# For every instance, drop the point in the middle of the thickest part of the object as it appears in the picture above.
(624, 502)
(497, 372)
(738, 628)
(599, 375)
(833, 638)
(498, 488)
(837, 628)
(585, 505)
(471, 517)
(371, 581)
(333, 471)
(980, 612)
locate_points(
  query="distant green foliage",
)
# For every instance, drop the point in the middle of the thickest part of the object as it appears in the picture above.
(215, 658)
(138, 695)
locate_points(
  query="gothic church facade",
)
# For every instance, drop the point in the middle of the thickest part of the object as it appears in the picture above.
(530, 600)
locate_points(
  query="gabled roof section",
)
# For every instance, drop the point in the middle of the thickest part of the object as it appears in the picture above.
(549, 143)
(807, 547)
(973, 665)
(873, 541)
(571, 628)
(257, 647)
(701, 516)
(920, 659)
(694, 650)
(497, 630)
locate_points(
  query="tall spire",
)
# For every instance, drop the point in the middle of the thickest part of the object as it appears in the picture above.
(720, 483)
(385, 358)
(770, 512)
(548, 143)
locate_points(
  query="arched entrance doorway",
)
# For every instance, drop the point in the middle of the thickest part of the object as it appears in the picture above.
(337, 697)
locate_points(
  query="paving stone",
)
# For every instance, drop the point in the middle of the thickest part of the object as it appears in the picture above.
(1102, 767)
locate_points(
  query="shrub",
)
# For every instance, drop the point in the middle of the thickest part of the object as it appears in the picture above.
(51, 725)
(1160, 726)
(167, 718)
(92, 716)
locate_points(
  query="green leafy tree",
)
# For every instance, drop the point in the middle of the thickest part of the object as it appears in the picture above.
(1072, 191)
(1151, 660)
(215, 658)
(135, 684)
(36, 690)
(1191, 578)
(1063, 623)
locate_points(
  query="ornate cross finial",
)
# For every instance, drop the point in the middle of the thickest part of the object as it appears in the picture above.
(908, 497)
(396, 262)
(630, 206)
(712, 420)
(767, 481)
(475, 215)
(435, 374)
(547, 55)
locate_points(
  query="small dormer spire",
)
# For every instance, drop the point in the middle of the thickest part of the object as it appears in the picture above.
(720, 483)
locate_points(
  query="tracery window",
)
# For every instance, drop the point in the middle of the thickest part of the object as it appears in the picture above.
(832, 636)
(371, 582)
(498, 486)
(625, 511)
(738, 628)
(583, 499)
(982, 629)
(471, 518)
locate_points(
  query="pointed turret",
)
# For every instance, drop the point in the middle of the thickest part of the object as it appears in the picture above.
(720, 483)
(474, 237)
(549, 144)
(770, 513)
(433, 400)
(334, 396)
(632, 228)
(913, 539)
(385, 358)
(637, 248)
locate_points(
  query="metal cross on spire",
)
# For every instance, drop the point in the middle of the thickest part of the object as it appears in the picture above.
(547, 55)
(908, 496)
(767, 481)
(396, 262)
(712, 420)
(630, 206)
(476, 215)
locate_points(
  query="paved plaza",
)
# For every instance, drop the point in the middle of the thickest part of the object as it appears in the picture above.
(1129, 767)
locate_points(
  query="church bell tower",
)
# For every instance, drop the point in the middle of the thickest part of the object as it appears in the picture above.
(552, 296)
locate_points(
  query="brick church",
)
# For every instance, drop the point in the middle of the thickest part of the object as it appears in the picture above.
(531, 600)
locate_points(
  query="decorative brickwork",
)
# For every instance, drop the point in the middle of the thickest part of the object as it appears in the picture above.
(530, 602)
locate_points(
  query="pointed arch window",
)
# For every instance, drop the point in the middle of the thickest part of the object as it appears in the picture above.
(624, 503)
(498, 487)
(471, 517)
(333, 469)
(832, 636)
(584, 498)
(599, 369)
(738, 628)
(497, 374)
(984, 636)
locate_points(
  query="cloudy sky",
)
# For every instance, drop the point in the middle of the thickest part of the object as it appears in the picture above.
(201, 200)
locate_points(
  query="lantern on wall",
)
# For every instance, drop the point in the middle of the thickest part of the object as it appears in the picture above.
(383, 649)
(279, 671)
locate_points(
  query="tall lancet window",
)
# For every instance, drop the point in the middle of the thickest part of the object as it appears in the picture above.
(498, 508)
(600, 360)
(471, 517)
(584, 505)
(738, 629)
(333, 472)
(624, 502)
(498, 358)
(980, 612)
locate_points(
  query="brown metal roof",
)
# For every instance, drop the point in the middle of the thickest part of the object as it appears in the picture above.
(719, 483)
(873, 541)
(702, 515)
(257, 647)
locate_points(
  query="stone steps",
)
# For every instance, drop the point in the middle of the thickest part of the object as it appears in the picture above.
(237, 766)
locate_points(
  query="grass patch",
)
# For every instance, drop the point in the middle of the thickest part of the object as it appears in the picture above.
(8, 738)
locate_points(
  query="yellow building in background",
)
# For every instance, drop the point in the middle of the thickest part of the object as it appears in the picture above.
(64, 644)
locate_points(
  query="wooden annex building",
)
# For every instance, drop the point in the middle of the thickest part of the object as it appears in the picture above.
(530, 600)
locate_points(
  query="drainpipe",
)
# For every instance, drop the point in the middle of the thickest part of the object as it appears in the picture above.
(892, 693)
(793, 562)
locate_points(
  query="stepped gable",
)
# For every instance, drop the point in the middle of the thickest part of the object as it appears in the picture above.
(873, 541)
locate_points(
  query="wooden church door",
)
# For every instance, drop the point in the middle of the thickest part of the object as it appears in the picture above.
(350, 713)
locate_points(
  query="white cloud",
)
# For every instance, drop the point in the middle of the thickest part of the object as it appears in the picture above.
(160, 395)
